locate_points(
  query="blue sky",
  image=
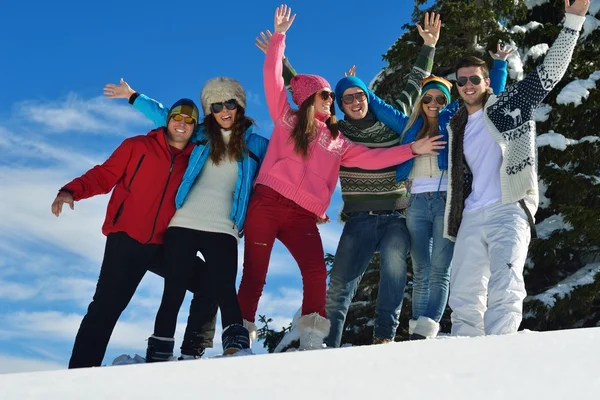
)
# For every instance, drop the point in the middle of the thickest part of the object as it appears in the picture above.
(55, 125)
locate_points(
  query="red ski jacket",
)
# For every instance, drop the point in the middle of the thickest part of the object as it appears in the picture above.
(145, 176)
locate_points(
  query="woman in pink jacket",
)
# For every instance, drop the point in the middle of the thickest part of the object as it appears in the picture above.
(295, 184)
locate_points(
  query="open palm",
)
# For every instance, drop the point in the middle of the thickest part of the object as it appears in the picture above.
(579, 7)
(283, 18)
(430, 32)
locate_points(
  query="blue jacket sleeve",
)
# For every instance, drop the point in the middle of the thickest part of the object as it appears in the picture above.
(498, 75)
(387, 114)
(152, 109)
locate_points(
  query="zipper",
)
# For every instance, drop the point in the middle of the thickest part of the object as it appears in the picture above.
(137, 168)
(119, 212)
(162, 197)
(237, 207)
(195, 163)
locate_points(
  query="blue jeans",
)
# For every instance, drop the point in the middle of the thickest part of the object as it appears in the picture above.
(431, 254)
(362, 236)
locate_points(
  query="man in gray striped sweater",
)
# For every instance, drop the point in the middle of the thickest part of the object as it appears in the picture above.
(493, 186)
(374, 203)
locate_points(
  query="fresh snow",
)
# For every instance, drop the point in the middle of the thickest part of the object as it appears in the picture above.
(542, 113)
(528, 365)
(532, 3)
(560, 142)
(574, 92)
(589, 26)
(553, 223)
(585, 276)
(544, 201)
(525, 28)
(536, 51)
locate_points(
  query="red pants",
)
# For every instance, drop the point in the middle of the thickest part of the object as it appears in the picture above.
(272, 216)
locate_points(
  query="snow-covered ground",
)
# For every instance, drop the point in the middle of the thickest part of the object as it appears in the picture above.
(529, 365)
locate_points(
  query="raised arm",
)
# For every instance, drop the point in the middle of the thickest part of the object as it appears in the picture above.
(388, 115)
(273, 68)
(289, 72)
(499, 72)
(152, 109)
(537, 84)
(430, 32)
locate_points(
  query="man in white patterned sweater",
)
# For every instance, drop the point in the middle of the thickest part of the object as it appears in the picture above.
(493, 186)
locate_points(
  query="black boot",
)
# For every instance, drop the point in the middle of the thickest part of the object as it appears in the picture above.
(192, 346)
(416, 336)
(235, 338)
(159, 349)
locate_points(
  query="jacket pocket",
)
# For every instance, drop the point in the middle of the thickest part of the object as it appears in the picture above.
(135, 171)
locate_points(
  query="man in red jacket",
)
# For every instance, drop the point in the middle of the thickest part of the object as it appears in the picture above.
(144, 173)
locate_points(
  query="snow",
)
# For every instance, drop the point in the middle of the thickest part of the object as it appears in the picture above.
(584, 276)
(554, 140)
(382, 74)
(528, 365)
(553, 223)
(515, 65)
(536, 51)
(594, 7)
(532, 3)
(589, 26)
(541, 113)
(544, 201)
(577, 90)
(525, 28)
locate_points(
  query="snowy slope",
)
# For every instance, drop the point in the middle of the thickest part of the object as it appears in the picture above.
(529, 365)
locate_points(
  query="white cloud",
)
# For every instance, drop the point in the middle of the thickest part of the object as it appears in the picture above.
(74, 114)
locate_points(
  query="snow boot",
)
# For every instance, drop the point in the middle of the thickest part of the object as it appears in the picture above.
(192, 347)
(235, 338)
(252, 331)
(313, 330)
(425, 328)
(159, 349)
(378, 340)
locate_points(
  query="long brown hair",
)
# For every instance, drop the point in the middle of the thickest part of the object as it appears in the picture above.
(236, 146)
(305, 128)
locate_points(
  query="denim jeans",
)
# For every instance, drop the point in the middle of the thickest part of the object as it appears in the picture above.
(362, 236)
(431, 254)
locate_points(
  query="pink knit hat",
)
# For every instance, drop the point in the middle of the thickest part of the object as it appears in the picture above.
(304, 86)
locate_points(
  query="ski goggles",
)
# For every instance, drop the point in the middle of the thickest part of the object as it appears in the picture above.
(187, 120)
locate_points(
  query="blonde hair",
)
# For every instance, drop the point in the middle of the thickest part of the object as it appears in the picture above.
(416, 113)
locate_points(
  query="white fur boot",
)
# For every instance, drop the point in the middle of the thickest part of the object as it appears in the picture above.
(313, 330)
(426, 327)
(251, 330)
(412, 323)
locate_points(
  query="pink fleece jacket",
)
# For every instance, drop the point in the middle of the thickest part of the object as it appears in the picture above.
(310, 182)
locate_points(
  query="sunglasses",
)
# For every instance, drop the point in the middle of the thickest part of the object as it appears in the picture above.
(326, 94)
(349, 98)
(229, 104)
(187, 120)
(462, 81)
(441, 100)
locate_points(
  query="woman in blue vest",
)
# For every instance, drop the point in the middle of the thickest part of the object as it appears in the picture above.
(211, 202)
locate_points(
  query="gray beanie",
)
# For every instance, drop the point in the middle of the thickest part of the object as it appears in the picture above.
(221, 89)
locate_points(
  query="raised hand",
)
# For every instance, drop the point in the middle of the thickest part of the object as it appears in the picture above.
(579, 7)
(431, 30)
(120, 91)
(321, 220)
(351, 71)
(262, 42)
(428, 145)
(502, 52)
(62, 198)
(283, 18)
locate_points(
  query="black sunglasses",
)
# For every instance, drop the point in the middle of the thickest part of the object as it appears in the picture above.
(349, 98)
(231, 104)
(462, 81)
(441, 100)
(327, 94)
